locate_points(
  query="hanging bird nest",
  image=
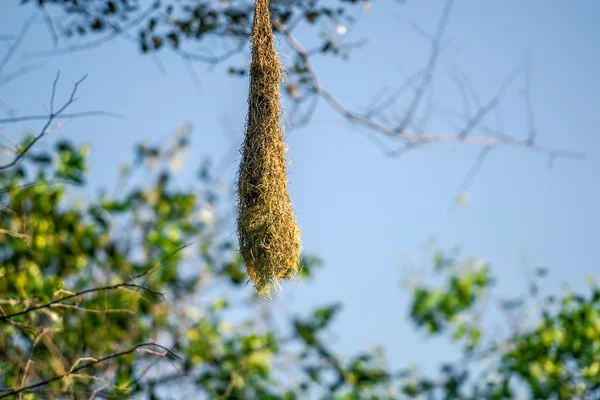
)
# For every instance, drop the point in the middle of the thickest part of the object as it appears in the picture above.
(268, 233)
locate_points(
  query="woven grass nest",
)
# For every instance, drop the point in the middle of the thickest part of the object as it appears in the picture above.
(267, 230)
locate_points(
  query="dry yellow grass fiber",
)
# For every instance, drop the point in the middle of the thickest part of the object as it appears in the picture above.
(268, 233)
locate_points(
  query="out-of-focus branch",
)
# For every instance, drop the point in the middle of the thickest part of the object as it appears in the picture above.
(117, 30)
(14, 75)
(212, 59)
(409, 129)
(413, 138)
(17, 235)
(129, 284)
(435, 50)
(475, 168)
(15, 45)
(123, 31)
(50, 25)
(489, 106)
(416, 138)
(528, 104)
(91, 362)
(59, 302)
(23, 118)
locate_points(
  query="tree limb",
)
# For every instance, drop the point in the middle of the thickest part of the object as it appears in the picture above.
(76, 368)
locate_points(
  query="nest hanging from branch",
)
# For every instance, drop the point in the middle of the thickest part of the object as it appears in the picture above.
(268, 233)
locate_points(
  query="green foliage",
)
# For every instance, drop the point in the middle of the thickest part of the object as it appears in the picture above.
(437, 309)
(554, 355)
(560, 356)
(90, 289)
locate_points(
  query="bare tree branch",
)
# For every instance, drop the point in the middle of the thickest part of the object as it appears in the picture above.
(50, 25)
(483, 111)
(52, 115)
(413, 139)
(21, 71)
(472, 173)
(13, 48)
(528, 104)
(464, 93)
(211, 59)
(11, 120)
(430, 67)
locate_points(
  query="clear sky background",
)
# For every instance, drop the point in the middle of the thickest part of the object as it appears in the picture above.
(364, 213)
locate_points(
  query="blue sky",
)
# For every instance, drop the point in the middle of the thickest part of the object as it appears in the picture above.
(364, 213)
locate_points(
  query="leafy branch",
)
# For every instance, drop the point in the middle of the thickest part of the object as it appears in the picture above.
(59, 302)
(92, 361)
(123, 285)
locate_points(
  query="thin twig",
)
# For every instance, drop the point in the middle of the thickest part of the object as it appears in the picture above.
(483, 111)
(89, 310)
(14, 75)
(50, 25)
(52, 115)
(11, 120)
(475, 168)
(430, 67)
(17, 235)
(211, 59)
(13, 48)
(528, 103)
(193, 75)
(153, 270)
(229, 387)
